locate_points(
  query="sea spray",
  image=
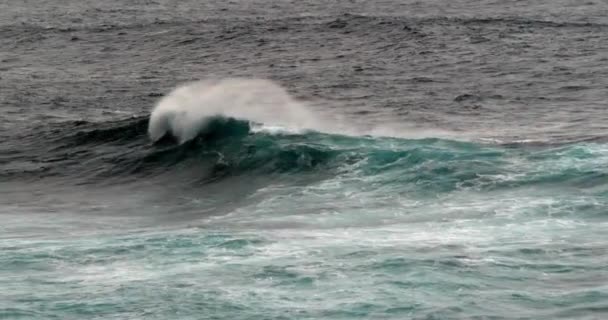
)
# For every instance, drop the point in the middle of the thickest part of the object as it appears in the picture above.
(188, 109)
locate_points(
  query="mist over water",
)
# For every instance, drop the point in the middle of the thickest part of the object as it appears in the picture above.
(186, 111)
(373, 161)
(187, 108)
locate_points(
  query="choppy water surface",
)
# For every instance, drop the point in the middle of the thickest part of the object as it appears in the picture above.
(415, 160)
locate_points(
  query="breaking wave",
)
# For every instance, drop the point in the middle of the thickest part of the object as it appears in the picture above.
(186, 112)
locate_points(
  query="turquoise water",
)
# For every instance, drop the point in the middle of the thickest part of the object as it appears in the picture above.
(318, 226)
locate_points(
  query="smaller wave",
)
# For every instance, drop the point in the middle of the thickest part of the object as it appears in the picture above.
(188, 110)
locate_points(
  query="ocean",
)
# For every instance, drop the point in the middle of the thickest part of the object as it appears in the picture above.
(303, 159)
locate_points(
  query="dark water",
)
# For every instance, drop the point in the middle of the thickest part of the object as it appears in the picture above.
(457, 167)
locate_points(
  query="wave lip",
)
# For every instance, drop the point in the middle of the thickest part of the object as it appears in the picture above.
(188, 110)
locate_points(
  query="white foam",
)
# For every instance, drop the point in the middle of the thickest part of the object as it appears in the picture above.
(187, 109)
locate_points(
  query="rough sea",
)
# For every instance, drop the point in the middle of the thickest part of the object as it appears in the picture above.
(255, 159)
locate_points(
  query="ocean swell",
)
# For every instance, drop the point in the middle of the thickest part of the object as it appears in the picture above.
(243, 128)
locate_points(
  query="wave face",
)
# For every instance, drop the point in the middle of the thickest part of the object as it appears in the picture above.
(215, 145)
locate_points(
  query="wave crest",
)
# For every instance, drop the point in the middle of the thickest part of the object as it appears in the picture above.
(188, 110)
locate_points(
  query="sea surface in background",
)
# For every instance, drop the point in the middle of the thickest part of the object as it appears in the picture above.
(405, 159)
